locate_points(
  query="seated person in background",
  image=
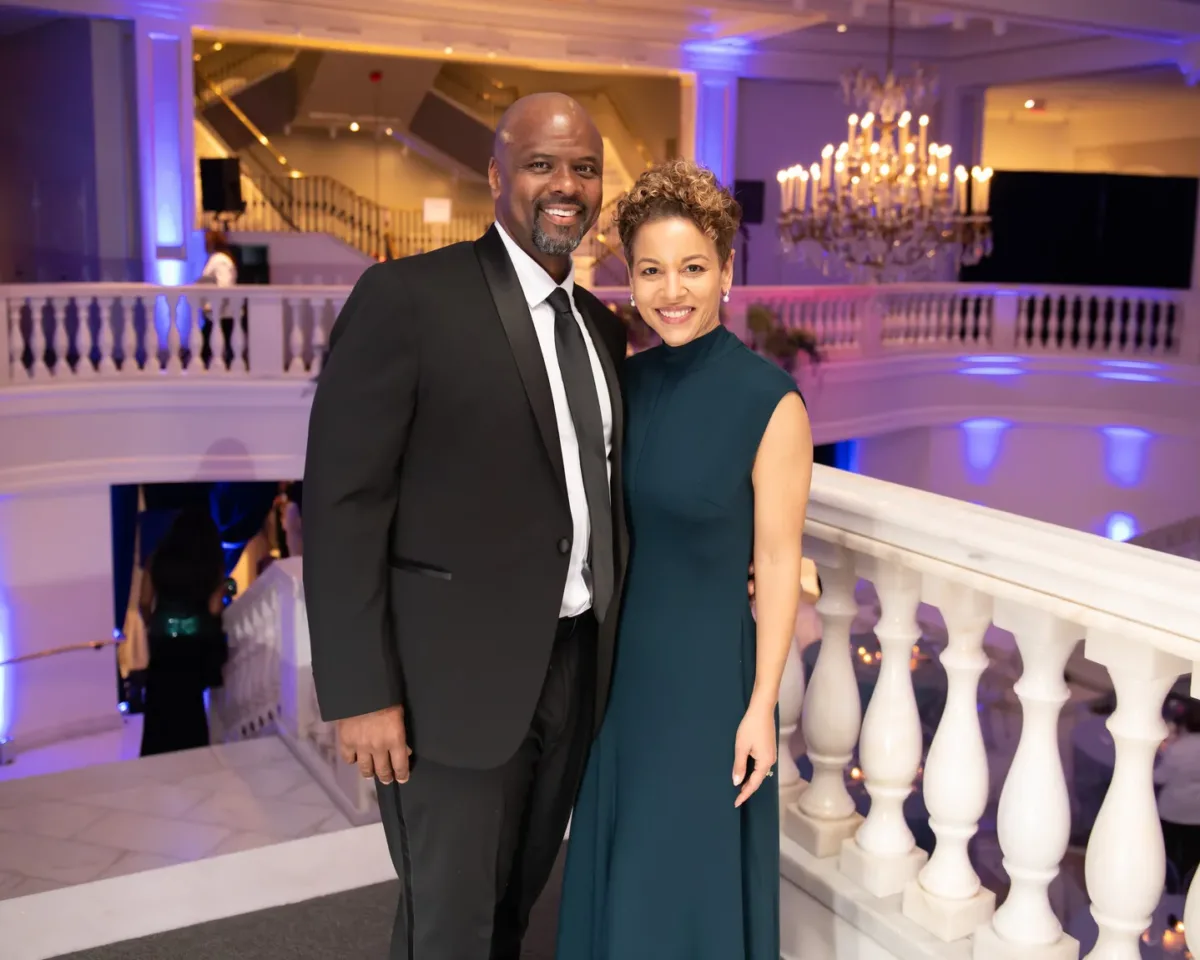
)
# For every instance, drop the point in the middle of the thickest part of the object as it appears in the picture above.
(1178, 778)
(188, 647)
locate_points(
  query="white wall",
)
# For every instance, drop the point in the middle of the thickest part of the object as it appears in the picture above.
(780, 124)
(56, 589)
(1153, 136)
(1077, 477)
(405, 178)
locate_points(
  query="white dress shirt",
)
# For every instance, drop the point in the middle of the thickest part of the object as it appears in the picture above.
(537, 285)
(221, 269)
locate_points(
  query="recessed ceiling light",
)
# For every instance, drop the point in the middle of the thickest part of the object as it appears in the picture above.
(491, 54)
(842, 28)
(448, 50)
(388, 131)
(1036, 105)
(354, 126)
(1029, 104)
(218, 46)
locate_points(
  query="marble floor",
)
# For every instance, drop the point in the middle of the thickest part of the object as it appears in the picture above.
(110, 819)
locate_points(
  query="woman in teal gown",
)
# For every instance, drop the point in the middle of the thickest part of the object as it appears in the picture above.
(673, 855)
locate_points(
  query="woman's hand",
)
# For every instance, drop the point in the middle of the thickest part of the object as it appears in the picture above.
(757, 739)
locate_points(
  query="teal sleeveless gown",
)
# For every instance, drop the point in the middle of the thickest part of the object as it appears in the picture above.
(660, 864)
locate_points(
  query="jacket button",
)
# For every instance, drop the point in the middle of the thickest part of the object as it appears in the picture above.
(564, 546)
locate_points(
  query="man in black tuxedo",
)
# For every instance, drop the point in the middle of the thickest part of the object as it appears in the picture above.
(465, 541)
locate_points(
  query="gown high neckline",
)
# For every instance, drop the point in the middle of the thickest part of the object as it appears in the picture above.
(695, 351)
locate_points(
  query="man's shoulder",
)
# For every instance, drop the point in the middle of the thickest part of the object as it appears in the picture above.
(454, 256)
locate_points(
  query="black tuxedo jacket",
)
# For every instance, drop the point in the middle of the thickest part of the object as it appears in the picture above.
(436, 525)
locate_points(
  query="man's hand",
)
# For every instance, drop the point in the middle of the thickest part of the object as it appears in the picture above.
(377, 743)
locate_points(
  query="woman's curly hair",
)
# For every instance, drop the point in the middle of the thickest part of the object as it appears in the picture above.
(679, 188)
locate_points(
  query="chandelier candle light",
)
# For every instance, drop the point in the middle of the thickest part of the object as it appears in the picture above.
(885, 203)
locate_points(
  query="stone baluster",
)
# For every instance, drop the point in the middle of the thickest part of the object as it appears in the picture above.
(824, 815)
(106, 339)
(1125, 857)
(883, 856)
(174, 340)
(86, 341)
(947, 897)
(791, 702)
(16, 343)
(237, 337)
(195, 346)
(129, 344)
(59, 337)
(319, 341)
(153, 345)
(295, 366)
(37, 339)
(1034, 818)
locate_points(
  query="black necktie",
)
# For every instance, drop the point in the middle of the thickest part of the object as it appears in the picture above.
(580, 384)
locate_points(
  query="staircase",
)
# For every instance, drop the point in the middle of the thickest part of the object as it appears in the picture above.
(245, 95)
(280, 199)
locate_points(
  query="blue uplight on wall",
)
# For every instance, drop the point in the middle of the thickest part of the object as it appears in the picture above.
(982, 437)
(846, 455)
(6, 653)
(1133, 371)
(990, 371)
(1120, 526)
(1125, 454)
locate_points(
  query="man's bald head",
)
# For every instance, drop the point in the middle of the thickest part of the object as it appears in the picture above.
(546, 176)
(537, 110)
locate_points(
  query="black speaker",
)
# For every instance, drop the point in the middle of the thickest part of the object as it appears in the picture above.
(221, 185)
(749, 193)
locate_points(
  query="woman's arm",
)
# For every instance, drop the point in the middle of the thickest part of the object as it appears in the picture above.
(782, 475)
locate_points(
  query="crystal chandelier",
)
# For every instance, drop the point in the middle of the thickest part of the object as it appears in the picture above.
(885, 205)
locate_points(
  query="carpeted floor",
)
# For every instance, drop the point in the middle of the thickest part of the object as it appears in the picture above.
(346, 926)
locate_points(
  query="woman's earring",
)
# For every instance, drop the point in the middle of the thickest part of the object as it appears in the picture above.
(631, 303)
(726, 296)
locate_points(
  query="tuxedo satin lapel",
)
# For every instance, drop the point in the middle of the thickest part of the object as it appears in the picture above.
(518, 327)
(618, 431)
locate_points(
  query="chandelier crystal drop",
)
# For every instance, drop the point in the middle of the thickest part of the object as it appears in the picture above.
(886, 204)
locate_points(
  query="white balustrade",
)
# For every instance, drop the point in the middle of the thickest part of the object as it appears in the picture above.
(269, 689)
(64, 332)
(947, 897)
(824, 814)
(68, 332)
(883, 856)
(1017, 582)
(1126, 861)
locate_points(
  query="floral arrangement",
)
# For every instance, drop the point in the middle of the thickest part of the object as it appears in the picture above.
(781, 343)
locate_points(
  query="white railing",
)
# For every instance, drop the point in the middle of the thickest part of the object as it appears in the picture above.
(65, 332)
(1019, 581)
(268, 686)
(935, 581)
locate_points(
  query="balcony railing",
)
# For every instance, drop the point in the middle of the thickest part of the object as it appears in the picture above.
(75, 332)
(955, 585)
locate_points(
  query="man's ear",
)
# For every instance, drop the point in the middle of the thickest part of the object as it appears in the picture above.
(494, 178)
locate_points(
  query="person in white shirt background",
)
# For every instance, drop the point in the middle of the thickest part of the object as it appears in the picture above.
(1177, 776)
(219, 270)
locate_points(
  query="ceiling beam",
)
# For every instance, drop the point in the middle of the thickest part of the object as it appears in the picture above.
(1167, 20)
(1071, 58)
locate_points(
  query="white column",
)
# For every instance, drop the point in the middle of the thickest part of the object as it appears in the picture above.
(56, 589)
(1191, 915)
(708, 133)
(1034, 819)
(947, 897)
(824, 815)
(166, 147)
(1125, 857)
(883, 857)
